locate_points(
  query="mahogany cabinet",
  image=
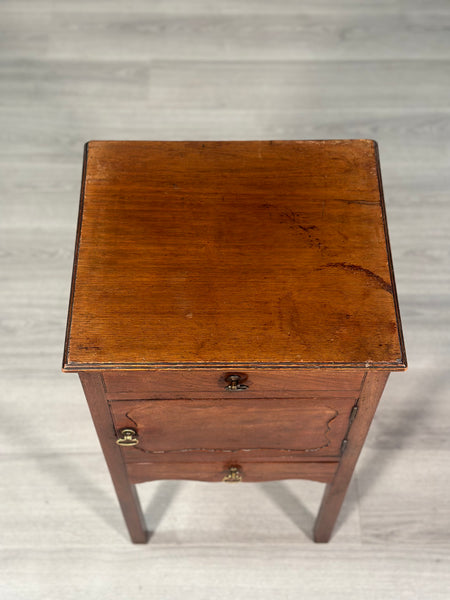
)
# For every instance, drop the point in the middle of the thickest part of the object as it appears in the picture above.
(233, 314)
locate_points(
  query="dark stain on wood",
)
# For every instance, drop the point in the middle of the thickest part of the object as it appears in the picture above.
(358, 269)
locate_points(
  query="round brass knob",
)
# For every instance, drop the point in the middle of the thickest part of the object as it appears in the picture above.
(235, 382)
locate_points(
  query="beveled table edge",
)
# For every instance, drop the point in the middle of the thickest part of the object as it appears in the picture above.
(400, 365)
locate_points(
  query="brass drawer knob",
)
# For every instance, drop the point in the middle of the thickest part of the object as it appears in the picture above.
(128, 437)
(235, 382)
(233, 475)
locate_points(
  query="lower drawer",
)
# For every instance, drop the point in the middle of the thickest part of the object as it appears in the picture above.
(232, 472)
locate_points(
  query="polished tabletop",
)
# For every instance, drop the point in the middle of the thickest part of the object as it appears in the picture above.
(197, 254)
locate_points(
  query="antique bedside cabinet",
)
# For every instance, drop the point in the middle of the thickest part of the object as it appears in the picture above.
(233, 314)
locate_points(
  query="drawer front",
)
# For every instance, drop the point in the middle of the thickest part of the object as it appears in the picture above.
(219, 383)
(282, 428)
(232, 472)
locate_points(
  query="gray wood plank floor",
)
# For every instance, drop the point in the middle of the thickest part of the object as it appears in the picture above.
(74, 71)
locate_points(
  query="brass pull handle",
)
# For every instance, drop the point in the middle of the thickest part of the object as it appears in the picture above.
(233, 476)
(128, 437)
(235, 384)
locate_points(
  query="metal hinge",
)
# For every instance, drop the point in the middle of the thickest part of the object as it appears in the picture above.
(352, 417)
(353, 414)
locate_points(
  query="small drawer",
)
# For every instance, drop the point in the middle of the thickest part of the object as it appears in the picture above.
(283, 429)
(123, 385)
(232, 472)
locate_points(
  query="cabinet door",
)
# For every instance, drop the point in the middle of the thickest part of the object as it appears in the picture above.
(259, 427)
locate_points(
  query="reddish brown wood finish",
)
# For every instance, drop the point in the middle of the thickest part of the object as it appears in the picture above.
(277, 428)
(233, 253)
(260, 383)
(323, 472)
(197, 260)
(125, 490)
(336, 490)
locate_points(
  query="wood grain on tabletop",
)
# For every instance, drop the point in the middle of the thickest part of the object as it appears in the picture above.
(233, 252)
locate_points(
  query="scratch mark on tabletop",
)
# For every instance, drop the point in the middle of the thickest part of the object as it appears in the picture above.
(364, 202)
(358, 269)
(293, 219)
